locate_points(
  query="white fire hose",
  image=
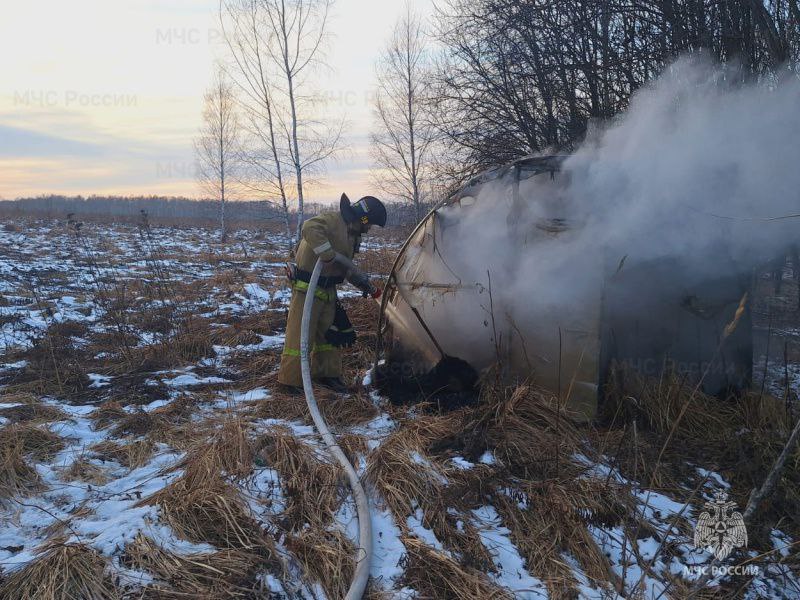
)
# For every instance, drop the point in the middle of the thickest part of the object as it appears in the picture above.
(364, 551)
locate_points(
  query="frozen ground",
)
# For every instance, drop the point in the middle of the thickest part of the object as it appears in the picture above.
(86, 317)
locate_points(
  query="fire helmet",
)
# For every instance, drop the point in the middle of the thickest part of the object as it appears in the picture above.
(368, 211)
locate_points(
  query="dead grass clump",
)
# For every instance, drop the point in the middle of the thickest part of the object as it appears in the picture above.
(132, 454)
(436, 575)
(38, 442)
(353, 445)
(530, 431)
(338, 410)
(16, 475)
(403, 473)
(264, 323)
(178, 411)
(187, 346)
(83, 470)
(325, 556)
(136, 388)
(750, 454)
(30, 410)
(18, 397)
(234, 335)
(260, 367)
(312, 484)
(229, 452)
(459, 536)
(352, 409)
(669, 423)
(552, 523)
(468, 488)
(107, 413)
(136, 423)
(211, 510)
(656, 404)
(62, 571)
(281, 406)
(157, 319)
(222, 574)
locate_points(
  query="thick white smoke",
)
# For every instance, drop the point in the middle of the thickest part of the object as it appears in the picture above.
(695, 164)
(697, 170)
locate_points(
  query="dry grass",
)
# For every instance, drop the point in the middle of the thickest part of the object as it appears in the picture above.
(656, 404)
(131, 454)
(135, 423)
(16, 475)
(211, 510)
(30, 409)
(312, 484)
(668, 426)
(739, 437)
(229, 452)
(234, 335)
(534, 439)
(260, 368)
(62, 572)
(28, 439)
(223, 574)
(552, 521)
(201, 506)
(454, 529)
(353, 445)
(403, 472)
(326, 557)
(509, 418)
(83, 470)
(338, 410)
(189, 345)
(436, 575)
(107, 413)
(178, 411)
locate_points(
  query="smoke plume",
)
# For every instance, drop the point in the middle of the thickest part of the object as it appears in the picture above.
(699, 171)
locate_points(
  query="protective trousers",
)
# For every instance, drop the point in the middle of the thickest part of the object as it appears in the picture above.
(326, 360)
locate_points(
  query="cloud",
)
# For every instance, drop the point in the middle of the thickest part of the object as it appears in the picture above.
(19, 142)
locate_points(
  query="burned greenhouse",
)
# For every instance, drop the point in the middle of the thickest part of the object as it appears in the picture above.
(502, 273)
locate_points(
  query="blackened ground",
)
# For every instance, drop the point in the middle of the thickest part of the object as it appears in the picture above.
(451, 384)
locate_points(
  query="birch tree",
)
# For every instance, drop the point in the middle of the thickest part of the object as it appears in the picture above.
(249, 37)
(217, 147)
(276, 45)
(403, 135)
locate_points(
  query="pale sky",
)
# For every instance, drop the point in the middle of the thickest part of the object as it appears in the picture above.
(105, 96)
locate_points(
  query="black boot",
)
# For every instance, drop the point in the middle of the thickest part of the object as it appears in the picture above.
(292, 390)
(335, 384)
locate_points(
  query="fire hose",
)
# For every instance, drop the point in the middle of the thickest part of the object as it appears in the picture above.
(364, 551)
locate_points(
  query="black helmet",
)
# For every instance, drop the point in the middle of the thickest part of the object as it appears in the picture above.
(369, 211)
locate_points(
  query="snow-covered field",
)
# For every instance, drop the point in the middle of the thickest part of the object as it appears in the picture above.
(176, 337)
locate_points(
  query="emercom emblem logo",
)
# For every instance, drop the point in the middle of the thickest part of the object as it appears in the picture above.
(720, 528)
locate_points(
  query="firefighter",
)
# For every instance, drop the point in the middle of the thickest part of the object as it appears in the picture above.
(325, 236)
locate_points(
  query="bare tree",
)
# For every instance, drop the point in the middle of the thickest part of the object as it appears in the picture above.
(404, 134)
(249, 36)
(275, 45)
(217, 148)
(518, 78)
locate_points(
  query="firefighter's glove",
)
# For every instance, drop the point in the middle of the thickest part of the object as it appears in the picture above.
(341, 332)
(362, 282)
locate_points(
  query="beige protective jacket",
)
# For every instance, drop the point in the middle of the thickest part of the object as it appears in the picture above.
(323, 236)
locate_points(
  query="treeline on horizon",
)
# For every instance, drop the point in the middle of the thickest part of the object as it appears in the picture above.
(171, 209)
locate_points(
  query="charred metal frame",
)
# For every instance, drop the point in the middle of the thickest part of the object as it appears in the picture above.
(523, 168)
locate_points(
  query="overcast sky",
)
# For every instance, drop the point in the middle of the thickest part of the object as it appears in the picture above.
(105, 96)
